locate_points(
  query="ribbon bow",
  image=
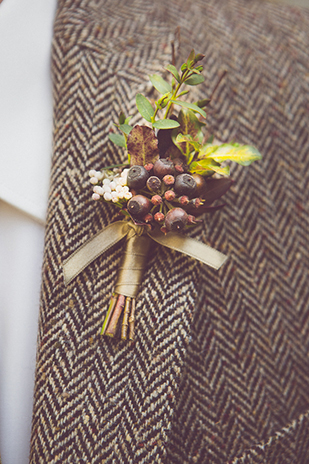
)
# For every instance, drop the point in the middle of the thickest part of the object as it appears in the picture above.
(131, 270)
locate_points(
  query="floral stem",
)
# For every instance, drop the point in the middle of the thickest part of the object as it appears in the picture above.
(126, 314)
(113, 324)
(132, 321)
(112, 305)
(183, 78)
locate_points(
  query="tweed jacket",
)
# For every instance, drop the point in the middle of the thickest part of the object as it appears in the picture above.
(219, 370)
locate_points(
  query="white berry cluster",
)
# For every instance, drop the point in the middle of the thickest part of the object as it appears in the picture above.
(113, 187)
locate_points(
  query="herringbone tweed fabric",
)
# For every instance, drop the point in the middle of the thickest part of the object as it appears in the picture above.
(219, 371)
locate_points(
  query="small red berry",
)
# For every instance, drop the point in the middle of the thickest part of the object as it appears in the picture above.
(148, 218)
(197, 202)
(169, 179)
(156, 200)
(169, 195)
(184, 200)
(148, 167)
(159, 217)
(191, 219)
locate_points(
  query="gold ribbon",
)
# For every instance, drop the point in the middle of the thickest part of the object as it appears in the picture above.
(135, 255)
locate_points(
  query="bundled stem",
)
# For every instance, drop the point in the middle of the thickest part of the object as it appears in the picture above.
(125, 322)
(111, 330)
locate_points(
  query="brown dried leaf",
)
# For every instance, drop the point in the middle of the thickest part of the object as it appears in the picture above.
(142, 146)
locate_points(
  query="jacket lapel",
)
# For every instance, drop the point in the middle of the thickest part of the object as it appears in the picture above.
(215, 367)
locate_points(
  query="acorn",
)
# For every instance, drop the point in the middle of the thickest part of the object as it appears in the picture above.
(139, 206)
(176, 219)
(185, 185)
(153, 184)
(162, 167)
(137, 177)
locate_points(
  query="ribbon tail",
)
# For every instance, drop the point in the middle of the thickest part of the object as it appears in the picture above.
(189, 246)
(93, 248)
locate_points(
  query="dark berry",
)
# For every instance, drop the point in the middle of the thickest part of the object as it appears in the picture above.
(185, 185)
(162, 167)
(200, 184)
(176, 219)
(153, 184)
(137, 177)
(139, 206)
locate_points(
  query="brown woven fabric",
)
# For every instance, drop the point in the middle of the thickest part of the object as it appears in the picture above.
(219, 372)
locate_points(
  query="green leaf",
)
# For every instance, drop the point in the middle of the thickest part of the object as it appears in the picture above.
(183, 93)
(205, 165)
(207, 150)
(195, 144)
(163, 101)
(127, 120)
(241, 154)
(173, 71)
(198, 57)
(144, 107)
(190, 106)
(125, 128)
(142, 146)
(184, 67)
(121, 118)
(191, 56)
(166, 124)
(160, 84)
(195, 80)
(189, 126)
(118, 139)
(203, 103)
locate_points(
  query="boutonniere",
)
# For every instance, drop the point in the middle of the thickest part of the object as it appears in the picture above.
(172, 176)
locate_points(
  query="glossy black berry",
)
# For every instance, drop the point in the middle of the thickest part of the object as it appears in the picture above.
(137, 177)
(176, 219)
(139, 206)
(162, 167)
(185, 185)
